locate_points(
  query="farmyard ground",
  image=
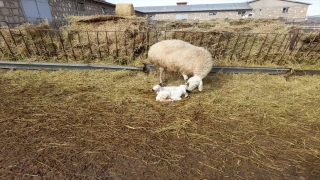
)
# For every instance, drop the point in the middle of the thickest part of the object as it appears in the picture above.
(107, 125)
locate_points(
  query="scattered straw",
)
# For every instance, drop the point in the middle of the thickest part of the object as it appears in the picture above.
(75, 124)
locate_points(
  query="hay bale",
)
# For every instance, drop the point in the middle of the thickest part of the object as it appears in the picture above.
(125, 10)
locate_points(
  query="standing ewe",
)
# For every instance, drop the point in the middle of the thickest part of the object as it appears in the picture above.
(185, 58)
(170, 93)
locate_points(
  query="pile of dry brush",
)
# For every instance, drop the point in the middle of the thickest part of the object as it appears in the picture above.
(121, 39)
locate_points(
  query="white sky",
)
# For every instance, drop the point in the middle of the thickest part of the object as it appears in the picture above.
(314, 9)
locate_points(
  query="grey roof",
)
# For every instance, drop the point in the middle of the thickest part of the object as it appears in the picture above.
(195, 8)
(297, 2)
(104, 2)
(284, 0)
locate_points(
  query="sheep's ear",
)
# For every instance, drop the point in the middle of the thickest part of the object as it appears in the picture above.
(200, 87)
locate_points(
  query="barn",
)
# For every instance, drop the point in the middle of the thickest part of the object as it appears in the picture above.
(183, 11)
(275, 9)
(282, 9)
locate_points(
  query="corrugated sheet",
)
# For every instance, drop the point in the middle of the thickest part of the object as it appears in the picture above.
(297, 2)
(284, 0)
(104, 2)
(195, 8)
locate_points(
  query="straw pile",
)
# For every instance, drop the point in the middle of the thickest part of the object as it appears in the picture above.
(125, 9)
(107, 125)
(125, 40)
(239, 26)
(123, 34)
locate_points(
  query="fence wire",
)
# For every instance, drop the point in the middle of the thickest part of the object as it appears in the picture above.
(123, 47)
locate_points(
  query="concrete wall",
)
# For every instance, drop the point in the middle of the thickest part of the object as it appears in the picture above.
(273, 9)
(11, 13)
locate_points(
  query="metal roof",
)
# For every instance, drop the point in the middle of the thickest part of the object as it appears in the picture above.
(104, 2)
(297, 2)
(195, 8)
(285, 0)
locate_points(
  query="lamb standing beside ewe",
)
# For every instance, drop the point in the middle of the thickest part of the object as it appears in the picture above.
(183, 57)
(170, 93)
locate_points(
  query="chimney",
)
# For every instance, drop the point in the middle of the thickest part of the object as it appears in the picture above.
(182, 3)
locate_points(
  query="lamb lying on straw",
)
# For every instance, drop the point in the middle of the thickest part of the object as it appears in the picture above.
(170, 93)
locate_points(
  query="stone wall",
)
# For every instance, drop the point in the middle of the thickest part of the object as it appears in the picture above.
(11, 13)
(202, 16)
(274, 9)
(294, 12)
(62, 8)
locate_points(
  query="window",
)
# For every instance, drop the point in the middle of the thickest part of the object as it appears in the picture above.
(212, 13)
(241, 13)
(80, 6)
(151, 15)
(103, 10)
(285, 10)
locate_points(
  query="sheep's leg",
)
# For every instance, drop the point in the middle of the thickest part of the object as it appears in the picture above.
(161, 75)
(185, 77)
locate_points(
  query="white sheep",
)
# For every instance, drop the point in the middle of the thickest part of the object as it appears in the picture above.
(183, 57)
(170, 93)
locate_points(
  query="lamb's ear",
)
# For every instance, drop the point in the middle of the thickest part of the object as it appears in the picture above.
(200, 87)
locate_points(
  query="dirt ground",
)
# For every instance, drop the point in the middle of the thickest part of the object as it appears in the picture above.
(107, 125)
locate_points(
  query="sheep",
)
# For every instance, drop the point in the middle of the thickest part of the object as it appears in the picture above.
(183, 57)
(170, 93)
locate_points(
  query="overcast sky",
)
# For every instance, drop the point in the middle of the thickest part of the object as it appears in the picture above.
(314, 9)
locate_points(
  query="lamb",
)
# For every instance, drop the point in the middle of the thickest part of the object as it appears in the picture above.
(183, 57)
(170, 93)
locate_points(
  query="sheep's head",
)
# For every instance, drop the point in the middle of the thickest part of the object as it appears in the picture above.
(156, 88)
(194, 82)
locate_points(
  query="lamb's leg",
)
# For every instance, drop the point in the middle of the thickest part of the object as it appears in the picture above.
(185, 77)
(166, 100)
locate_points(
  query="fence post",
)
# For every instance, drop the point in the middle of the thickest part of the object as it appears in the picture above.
(294, 38)
(14, 57)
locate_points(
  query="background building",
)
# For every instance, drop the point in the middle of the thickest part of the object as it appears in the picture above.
(196, 12)
(15, 12)
(276, 9)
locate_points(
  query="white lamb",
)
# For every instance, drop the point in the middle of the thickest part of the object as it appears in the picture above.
(183, 57)
(170, 93)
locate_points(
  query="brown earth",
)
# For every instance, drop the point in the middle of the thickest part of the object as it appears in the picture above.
(107, 125)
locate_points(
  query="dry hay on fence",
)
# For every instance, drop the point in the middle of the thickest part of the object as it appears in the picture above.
(247, 42)
(78, 124)
(231, 26)
(313, 37)
(123, 9)
(119, 40)
(29, 42)
(125, 36)
(85, 39)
